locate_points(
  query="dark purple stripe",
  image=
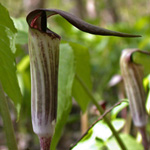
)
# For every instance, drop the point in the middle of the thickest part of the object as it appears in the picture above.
(46, 80)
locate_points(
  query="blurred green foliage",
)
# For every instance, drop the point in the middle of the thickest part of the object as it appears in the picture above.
(105, 51)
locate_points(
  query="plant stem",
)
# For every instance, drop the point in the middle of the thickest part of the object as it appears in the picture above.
(8, 127)
(145, 141)
(100, 109)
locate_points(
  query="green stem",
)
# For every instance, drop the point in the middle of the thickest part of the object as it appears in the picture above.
(8, 127)
(101, 112)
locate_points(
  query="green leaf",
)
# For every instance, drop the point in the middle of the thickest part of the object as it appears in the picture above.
(97, 136)
(83, 69)
(65, 82)
(23, 64)
(118, 108)
(147, 84)
(129, 141)
(102, 131)
(90, 144)
(22, 27)
(8, 76)
(5, 20)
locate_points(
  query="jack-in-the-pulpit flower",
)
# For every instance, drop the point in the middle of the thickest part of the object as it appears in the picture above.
(132, 74)
(44, 59)
(44, 56)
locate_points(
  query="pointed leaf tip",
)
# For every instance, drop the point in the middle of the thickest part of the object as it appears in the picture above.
(37, 19)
